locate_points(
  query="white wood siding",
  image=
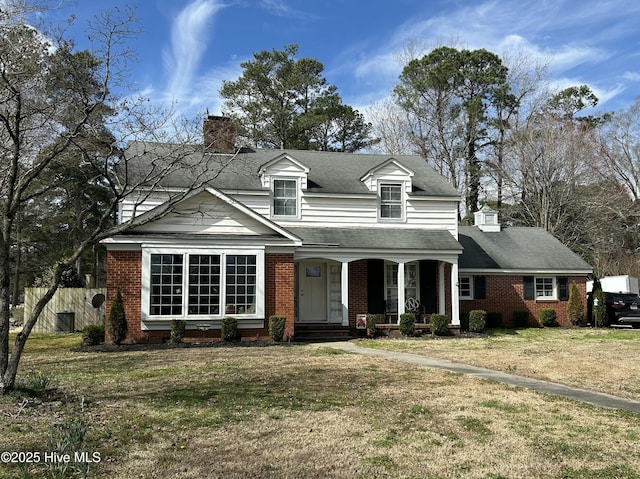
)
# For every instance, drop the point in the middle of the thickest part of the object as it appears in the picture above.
(206, 214)
(316, 210)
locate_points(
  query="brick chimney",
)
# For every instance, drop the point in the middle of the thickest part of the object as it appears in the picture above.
(219, 133)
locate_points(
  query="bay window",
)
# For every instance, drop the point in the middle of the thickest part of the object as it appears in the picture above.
(201, 284)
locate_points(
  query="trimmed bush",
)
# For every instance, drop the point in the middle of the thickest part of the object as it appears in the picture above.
(494, 320)
(575, 306)
(407, 324)
(370, 324)
(439, 325)
(548, 317)
(277, 325)
(92, 335)
(178, 328)
(477, 320)
(117, 324)
(229, 330)
(600, 311)
(521, 319)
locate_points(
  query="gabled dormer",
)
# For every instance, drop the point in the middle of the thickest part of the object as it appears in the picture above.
(392, 182)
(285, 177)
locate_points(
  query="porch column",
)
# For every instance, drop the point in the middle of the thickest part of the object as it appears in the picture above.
(344, 288)
(401, 298)
(455, 301)
(442, 309)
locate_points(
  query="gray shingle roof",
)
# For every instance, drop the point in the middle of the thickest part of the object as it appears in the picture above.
(330, 172)
(380, 238)
(517, 249)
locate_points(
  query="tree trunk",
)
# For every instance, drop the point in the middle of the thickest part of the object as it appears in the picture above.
(9, 373)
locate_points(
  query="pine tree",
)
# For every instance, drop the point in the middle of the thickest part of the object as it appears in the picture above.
(117, 325)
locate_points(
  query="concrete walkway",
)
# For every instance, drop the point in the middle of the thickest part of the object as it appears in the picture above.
(577, 394)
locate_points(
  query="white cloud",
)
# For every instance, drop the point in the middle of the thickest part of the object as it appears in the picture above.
(189, 41)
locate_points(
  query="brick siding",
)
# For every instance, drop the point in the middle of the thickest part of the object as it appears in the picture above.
(124, 271)
(280, 285)
(505, 294)
(358, 294)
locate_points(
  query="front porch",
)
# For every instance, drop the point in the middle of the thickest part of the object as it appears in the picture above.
(330, 294)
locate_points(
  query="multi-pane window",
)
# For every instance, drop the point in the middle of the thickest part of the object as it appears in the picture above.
(391, 201)
(391, 285)
(191, 284)
(241, 277)
(166, 284)
(204, 284)
(464, 287)
(545, 288)
(285, 198)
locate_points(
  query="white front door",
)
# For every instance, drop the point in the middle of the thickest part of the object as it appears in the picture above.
(312, 295)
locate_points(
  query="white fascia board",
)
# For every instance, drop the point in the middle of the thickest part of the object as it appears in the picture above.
(248, 211)
(527, 272)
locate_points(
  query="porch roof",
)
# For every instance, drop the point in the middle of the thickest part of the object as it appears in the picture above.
(378, 239)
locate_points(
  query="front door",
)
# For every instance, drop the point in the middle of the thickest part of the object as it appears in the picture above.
(312, 294)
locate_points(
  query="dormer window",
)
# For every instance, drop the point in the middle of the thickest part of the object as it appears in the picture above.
(285, 197)
(391, 205)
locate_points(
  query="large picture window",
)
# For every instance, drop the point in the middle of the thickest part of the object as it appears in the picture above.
(285, 198)
(197, 285)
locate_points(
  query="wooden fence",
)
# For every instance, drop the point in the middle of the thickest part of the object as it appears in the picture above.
(66, 300)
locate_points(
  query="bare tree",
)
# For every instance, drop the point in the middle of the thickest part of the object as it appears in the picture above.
(52, 102)
(391, 126)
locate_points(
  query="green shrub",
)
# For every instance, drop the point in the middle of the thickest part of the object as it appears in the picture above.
(277, 325)
(92, 335)
(178, 328)
(407, 324)
(575, 306)
(548, 317)
(494, 320)
(439, 325)
(464, 321)
(521, 319)
(477, 320)
(117, 324)
(370, 324)
(229, 329)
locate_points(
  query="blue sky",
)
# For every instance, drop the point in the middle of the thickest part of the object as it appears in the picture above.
(188, 47)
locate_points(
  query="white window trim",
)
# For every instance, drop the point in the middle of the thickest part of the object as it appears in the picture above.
(470, 296)
(146, 283)
(554, 296)
(403, 201)
(387, 286)
(298, 214)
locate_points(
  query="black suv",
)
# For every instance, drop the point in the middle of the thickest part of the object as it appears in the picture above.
(623, 308)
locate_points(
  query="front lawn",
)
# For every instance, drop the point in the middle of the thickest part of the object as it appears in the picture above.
(604, 359)
(303, 411)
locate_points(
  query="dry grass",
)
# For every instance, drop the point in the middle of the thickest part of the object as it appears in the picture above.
(307, 412)
(604, 360)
